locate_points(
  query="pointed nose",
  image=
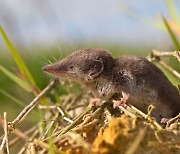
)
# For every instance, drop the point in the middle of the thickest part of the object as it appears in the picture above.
(56, 68)
(49, 68)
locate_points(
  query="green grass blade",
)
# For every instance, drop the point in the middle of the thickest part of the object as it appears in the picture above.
(11, 97)
(19, 61)
(17, 101)
(51, 145)
(171, 33)
(173, 12)
(16, 79)
(154, 23)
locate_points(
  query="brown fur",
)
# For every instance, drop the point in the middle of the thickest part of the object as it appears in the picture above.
(106, 76)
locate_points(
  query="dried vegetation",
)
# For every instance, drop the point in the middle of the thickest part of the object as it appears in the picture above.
(77, 127)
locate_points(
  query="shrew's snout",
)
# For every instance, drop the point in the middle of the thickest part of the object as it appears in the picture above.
(47, 68)
(50, 68)
(55, 68)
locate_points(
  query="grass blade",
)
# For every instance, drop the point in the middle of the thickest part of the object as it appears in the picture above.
(19, 61)
(17, 101)
(171, 33)
(173, 12)
(25, 85)
(11, 97)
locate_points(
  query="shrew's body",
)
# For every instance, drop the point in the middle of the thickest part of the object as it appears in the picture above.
(137, 80)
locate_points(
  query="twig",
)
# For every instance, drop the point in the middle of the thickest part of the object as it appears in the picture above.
(86, 127)
(21, 135)
(69, 104)
(55, 107)
(126, 111)
(163, 144)
(70, 126)
(146, 117)
(47, 107)
(31, 148)
(49, 126)
(157, 54)
(136, 142)
(79, 139)
(142, 114)
(60, 109)
(29, 107)
(75, 107)
(32, 129)
(17, 132)
(77, 121)
(64, 115)
(172, 119)
(175, 54)
(94, 114)
(6, 132)
(5, 139)
(170, 69)
(47, 147)
(23, 149)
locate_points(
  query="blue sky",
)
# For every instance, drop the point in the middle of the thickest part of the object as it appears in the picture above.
(71, 21)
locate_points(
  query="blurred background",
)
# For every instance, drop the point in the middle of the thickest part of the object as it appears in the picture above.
(44, 30)
(55, 23)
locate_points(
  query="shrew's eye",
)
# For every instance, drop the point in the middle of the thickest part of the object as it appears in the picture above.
(71, 66)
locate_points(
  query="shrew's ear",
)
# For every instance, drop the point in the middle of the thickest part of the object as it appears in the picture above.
(96, 69)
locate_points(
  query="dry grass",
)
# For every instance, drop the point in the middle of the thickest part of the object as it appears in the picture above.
(76, 127)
